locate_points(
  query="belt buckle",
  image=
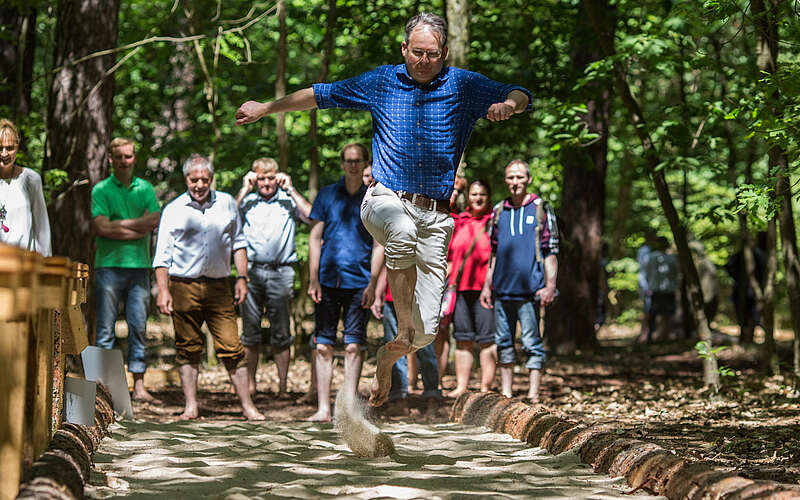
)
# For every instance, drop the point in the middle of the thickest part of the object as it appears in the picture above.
(414, 199)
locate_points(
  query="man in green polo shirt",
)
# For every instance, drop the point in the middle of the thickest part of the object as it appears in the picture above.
(125, 212)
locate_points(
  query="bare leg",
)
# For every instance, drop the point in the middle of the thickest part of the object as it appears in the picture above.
(506, 377)
(488, 357)
(413, 371)
(239, 380)
(282, 364)
(140, 393)
(441, 346)
(382, 382)
(188, 375)
(324, 366)
(533, 388)
(251, 353)
(311, 395)
(402, 283)
(464, 360)
(352, 368)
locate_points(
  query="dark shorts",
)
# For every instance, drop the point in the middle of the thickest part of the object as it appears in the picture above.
(345, 304)
(663, 303)
(472, 321)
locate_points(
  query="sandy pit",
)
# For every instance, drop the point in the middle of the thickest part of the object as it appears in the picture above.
(238, 460)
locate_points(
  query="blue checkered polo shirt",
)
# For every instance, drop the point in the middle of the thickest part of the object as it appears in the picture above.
(419, 130)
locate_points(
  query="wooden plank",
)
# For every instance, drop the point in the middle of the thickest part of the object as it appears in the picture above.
(41, 420)
(13, 358)
(59, 371)
(73, 335)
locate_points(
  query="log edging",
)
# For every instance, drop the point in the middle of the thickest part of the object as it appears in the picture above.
(61, 472)
(644, 465)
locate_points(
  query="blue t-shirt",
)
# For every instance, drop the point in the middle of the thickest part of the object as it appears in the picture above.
(419, 130)
(346, 244)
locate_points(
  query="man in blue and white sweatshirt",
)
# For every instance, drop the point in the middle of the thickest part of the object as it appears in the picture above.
(522, 273)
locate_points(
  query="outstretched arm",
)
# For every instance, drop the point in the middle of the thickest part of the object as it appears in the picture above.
(252, 111)
(516, 102)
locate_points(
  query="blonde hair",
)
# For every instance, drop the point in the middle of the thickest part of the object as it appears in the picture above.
(7, 128)
(265, 164)
(118, 142)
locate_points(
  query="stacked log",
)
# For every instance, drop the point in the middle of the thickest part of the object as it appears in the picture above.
(644, 465)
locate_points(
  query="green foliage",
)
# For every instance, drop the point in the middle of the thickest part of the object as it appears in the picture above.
(704, 351)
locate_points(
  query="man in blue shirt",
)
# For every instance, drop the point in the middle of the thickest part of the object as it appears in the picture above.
(340, 279)
(422, 116)
(522, 276)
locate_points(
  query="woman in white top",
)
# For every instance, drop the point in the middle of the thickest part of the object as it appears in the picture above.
(23, 214)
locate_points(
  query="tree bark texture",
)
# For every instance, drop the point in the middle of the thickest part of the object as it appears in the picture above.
(327, 53)
(458, 32)
(79, 116)
(280, 89)
(583, 207)
(766, 17)
(16, 59)
(596, 10)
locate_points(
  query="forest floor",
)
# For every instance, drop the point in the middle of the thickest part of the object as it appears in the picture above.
(652, 392)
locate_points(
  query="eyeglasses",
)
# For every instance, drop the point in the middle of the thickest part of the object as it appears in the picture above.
(433, 55)
(353, 162)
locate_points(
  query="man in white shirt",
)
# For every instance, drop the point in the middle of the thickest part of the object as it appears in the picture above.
(198, 231)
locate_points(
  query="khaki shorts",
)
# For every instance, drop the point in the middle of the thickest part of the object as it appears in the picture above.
(209, 301)
(412, 236)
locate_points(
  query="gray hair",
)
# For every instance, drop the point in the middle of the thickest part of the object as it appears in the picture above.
(197, 160)
(522, 163)
(433, 21)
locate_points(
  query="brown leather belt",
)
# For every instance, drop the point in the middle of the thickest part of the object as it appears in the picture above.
(422, 201)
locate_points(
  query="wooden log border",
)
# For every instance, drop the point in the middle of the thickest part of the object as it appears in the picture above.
(644, 465)
(61, 472)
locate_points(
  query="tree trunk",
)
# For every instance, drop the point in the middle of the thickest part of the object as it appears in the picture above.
(597, 10)
(583, 211)
(766, 33)
(327, 53)
(79, 116)
(458, 32)
(622, 212)
(16, 59)
(280, 88)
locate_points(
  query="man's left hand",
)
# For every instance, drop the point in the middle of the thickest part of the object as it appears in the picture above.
(239, 291)
(546, 295)
(500, 111)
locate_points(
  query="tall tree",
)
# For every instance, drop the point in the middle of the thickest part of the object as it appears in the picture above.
(596, 11)
(766, 18)
(584, 195)
(458, 32)
(17, 47)
(79, 117)
(280, 88)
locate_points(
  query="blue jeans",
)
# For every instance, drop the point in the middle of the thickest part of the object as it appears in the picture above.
(344, 303)
(506, 314)
(426, 358)
(111, 285)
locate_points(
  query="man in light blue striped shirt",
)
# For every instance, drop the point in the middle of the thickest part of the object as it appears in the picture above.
(422, 116)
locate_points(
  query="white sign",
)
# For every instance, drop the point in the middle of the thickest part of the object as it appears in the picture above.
(105, 365)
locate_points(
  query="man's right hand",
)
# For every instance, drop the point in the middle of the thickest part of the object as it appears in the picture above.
(377, 307)
(315, 291)
(164, 302)
(486, 298)
(250, 112)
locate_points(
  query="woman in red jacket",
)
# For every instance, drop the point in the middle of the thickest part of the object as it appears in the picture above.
(468, 257)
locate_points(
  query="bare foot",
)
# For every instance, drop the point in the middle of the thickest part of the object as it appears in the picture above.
(283, 395)
(532, 398)
(189, 414)
(320, 416)
(308, 398)
(253, 415)
(456, 393)
(379, 389)
(146, 397)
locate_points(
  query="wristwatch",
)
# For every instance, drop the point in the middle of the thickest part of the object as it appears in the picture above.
(244, 277)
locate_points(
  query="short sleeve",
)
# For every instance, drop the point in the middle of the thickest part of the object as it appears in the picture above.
(353, 93)
(319, 210)
(99, 202)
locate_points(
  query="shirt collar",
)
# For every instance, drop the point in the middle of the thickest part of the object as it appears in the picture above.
(402, 74)
(134, 181)
(341, 185)
(212, 197)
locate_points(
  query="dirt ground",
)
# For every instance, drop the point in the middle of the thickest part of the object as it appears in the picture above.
(652, 392)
